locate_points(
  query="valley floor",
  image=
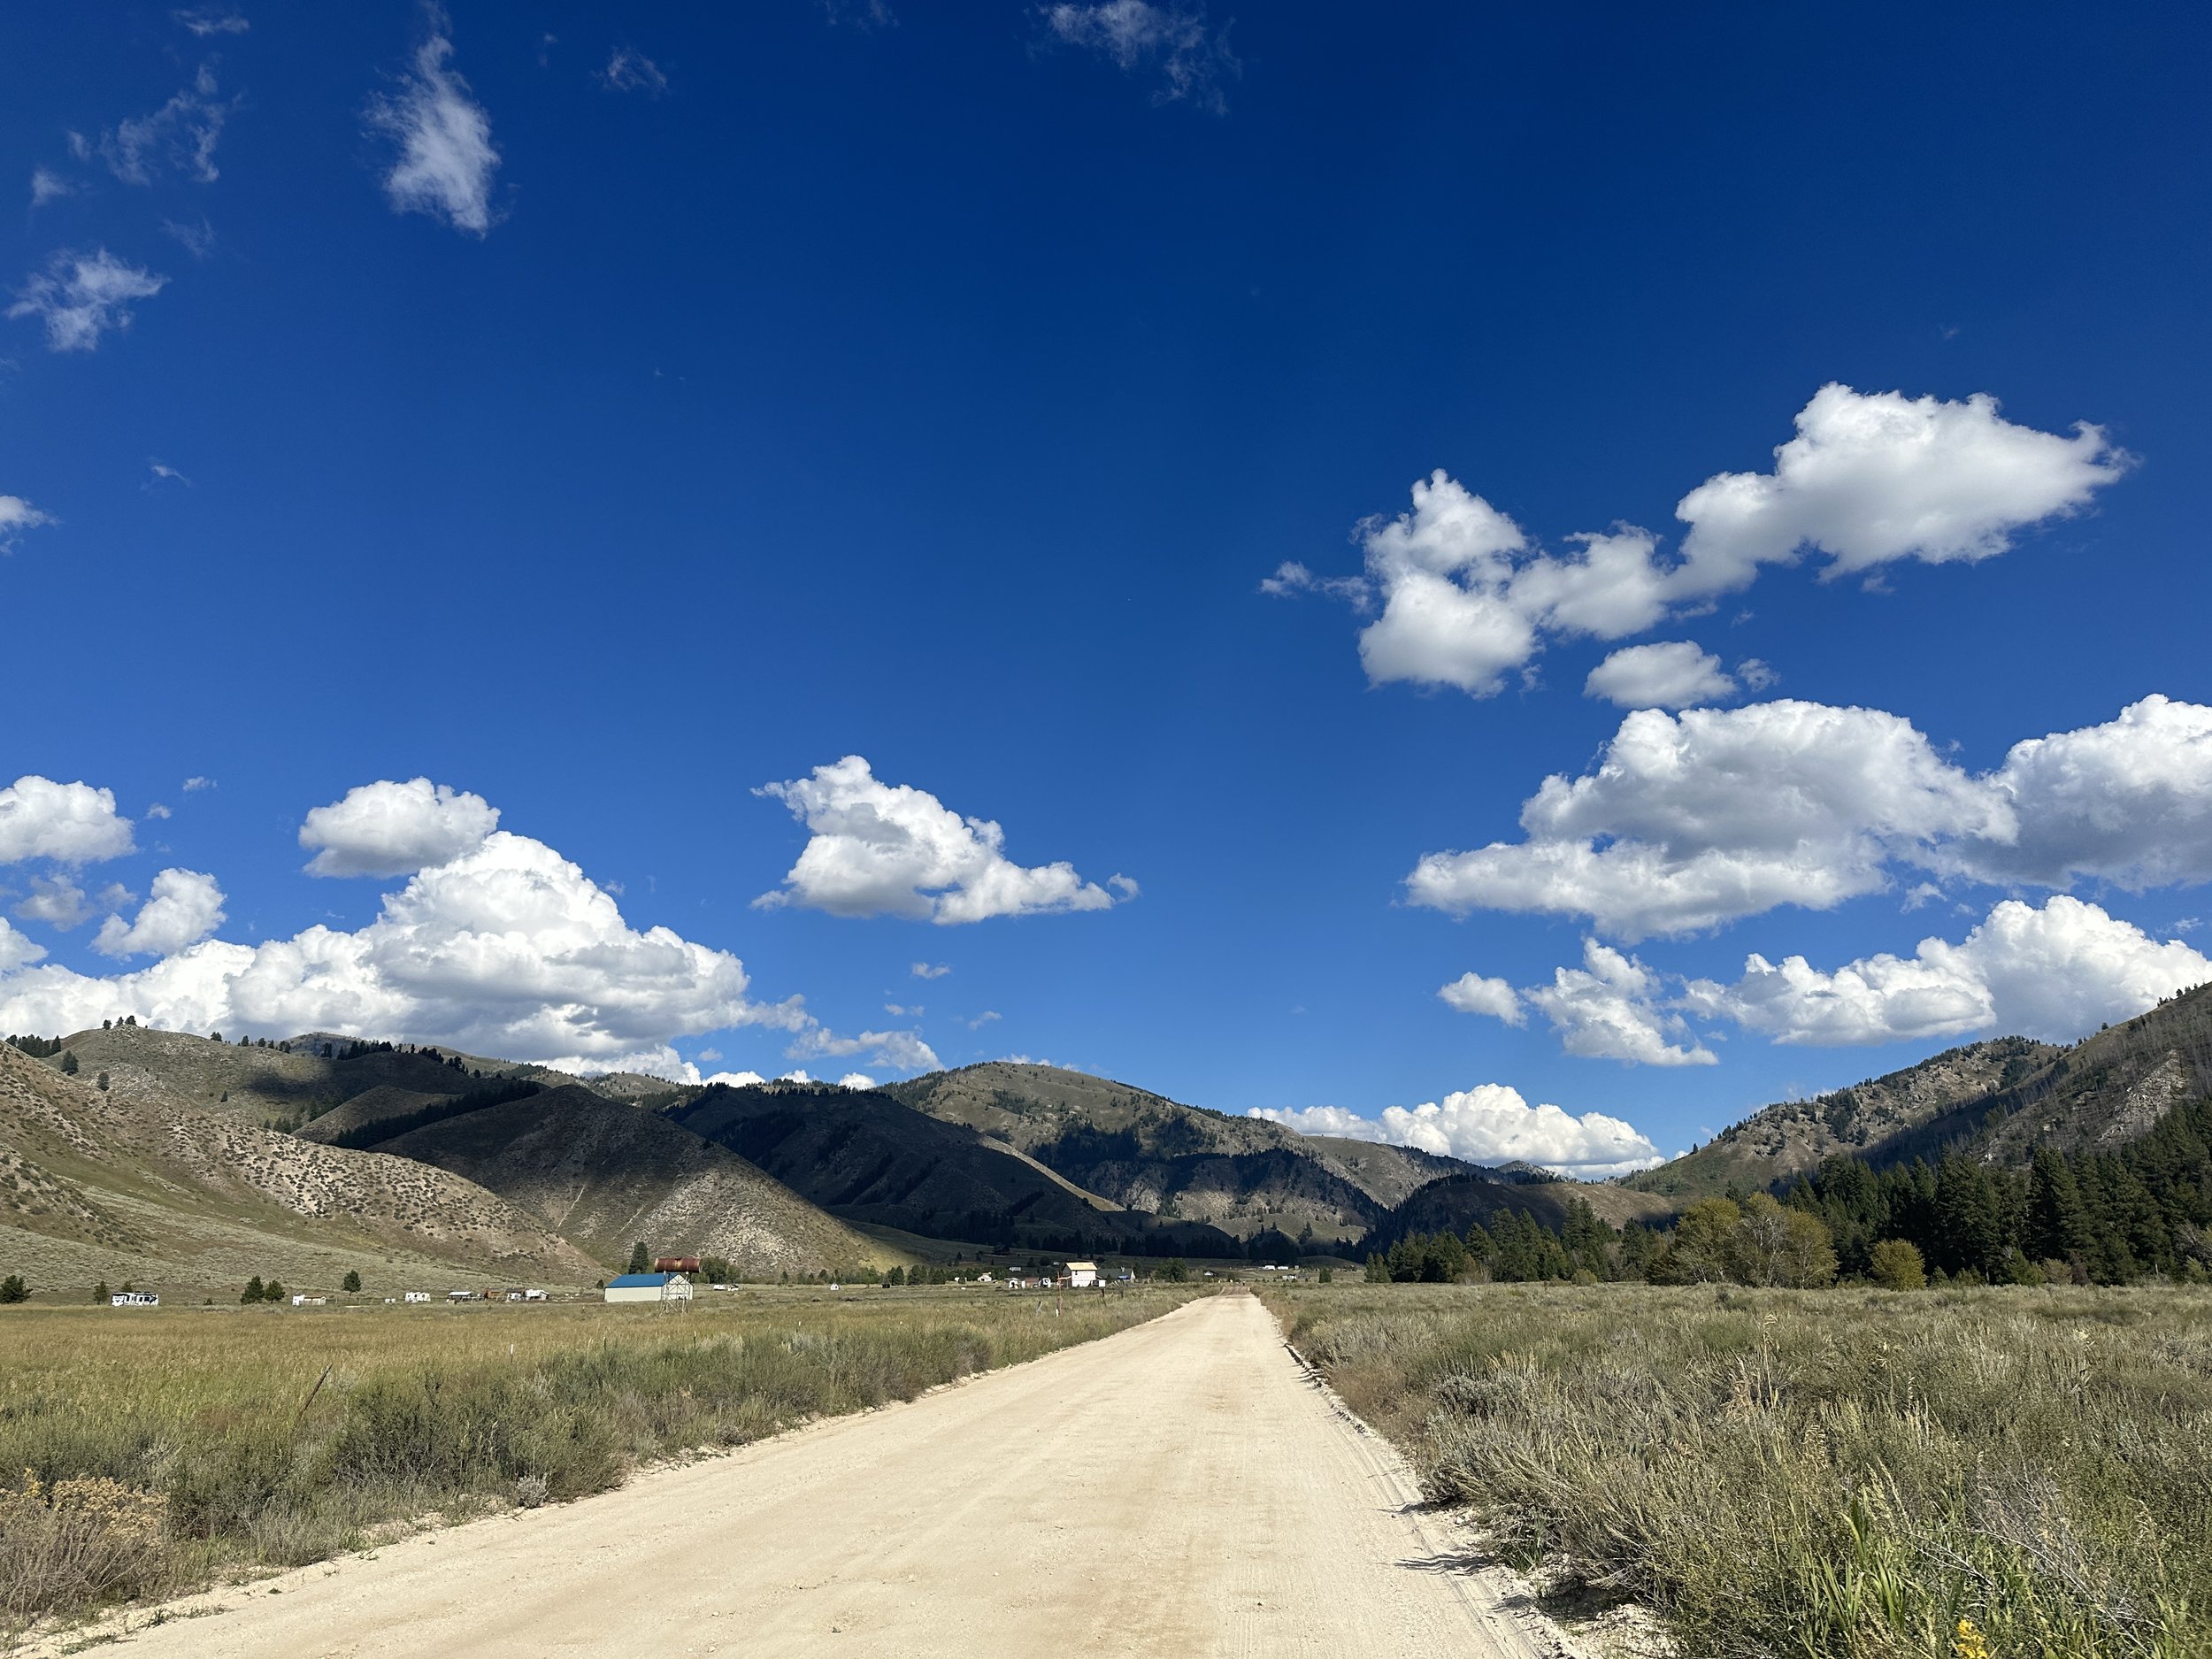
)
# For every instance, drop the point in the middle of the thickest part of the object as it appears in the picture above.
(1181, 1488)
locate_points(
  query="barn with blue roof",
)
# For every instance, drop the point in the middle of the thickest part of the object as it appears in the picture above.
(649, 1287)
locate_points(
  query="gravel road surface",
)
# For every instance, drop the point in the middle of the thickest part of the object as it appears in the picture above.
(1181, 1488)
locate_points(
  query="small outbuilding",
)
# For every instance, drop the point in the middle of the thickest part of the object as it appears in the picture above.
(134, 1299)
(648, 1287)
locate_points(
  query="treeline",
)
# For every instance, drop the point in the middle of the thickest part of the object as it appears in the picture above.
(1517, 1248)
(361, 1137)
(2094, 1218)
(2101, 1217)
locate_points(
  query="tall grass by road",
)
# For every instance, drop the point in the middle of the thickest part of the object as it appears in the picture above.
(1843, 1475)
(141, 1453)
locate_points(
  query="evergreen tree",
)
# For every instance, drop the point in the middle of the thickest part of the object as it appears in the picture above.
(13, 1289)
(69, 1063)
(2057, 1226)
(353, 1281)
(252, 1292)
(1970, 1220)
(640, 1258)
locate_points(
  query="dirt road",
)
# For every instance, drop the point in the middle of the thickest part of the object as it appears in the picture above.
(1180, 1489)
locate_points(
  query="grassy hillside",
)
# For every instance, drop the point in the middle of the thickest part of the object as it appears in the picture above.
(868, 1157)
(268, 1085)
(605, 1175)
(174, 1197)
(1243, 1175)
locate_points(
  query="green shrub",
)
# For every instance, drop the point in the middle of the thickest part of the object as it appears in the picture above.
(1896, 1265)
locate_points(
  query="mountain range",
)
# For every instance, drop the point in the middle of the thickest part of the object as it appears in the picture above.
(130, 1153)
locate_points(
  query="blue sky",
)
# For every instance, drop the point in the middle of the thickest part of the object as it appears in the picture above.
(608, 415)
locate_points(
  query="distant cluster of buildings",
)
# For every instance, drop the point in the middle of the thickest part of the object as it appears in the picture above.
(671, 1281)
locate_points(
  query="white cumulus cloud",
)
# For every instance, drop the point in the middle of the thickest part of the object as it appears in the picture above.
(1691, 821)
(508, 950)
(899, 1050)
(69, 823)
(18, 515)
(1472, 994)
(1872, 478)
(1466, 598)
(60, 903)
(734, 1079)
(2056, 972)
(1609, 1009)
(1492, 1124)
(81, 297)
(446, 155)
(16, 951)
(394, 829)
(884, 849)
(2128, 801)
(184, 907)
(1675, 675)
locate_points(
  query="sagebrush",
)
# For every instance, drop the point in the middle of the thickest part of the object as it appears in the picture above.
(1847, 1475)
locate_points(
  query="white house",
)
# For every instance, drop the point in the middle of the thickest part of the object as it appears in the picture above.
(134, 1299)
(309, 1301)
(1082, 1275)
(649, 1287)
(418, 1296)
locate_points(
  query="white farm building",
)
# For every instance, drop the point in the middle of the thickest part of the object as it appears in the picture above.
(649, 1287)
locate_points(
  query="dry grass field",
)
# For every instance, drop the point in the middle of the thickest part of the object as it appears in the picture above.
(147, 1451)
(1841, 1474)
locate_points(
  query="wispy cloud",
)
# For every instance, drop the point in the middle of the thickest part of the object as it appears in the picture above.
(212, 22)
(197, 240)
(633, 72)
(182, 133)
(46, 185)
(1135, 35)
(865, 14)
(446, 156)
(81, 297)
